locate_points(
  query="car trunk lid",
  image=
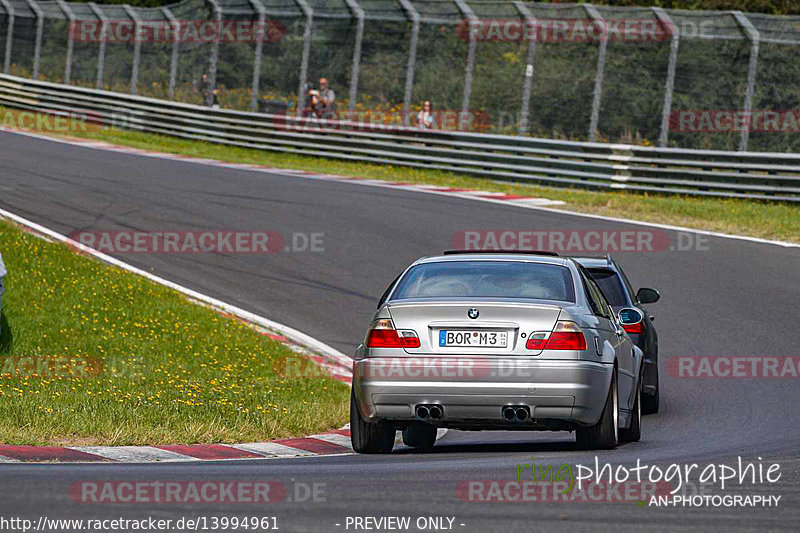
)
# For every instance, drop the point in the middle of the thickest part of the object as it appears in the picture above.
(500, 328)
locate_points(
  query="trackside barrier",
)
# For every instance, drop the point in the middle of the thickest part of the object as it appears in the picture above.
(755, 175)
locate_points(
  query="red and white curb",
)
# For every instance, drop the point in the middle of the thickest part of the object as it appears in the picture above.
(331, 443)
(335, 442)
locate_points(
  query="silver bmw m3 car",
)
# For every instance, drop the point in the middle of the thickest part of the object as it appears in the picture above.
(495, 341)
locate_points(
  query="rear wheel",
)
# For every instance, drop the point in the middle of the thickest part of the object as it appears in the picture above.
(369, 437)
(421, 436)
(604, 435)
(634, 432)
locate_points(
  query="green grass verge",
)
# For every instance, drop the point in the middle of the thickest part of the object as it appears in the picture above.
(160, 369)
(743, 217)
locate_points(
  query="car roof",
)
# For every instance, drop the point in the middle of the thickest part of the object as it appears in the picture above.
(596, 262)
(494, 256)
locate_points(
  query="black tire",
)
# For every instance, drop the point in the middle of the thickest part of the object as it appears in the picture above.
(369, 437)
(634, 432)
(604, 435)
(650, 401)
(421, 436)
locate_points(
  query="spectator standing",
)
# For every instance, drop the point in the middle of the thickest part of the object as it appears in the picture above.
(425, 117)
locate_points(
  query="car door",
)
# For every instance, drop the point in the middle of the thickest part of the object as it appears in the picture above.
(619, 340)
(626, 358)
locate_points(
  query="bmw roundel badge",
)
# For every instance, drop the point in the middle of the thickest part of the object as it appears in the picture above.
(473, 312)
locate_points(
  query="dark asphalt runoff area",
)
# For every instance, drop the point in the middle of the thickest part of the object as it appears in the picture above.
(730, 298)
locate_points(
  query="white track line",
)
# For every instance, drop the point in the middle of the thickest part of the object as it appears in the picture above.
(134, 454)
(334, 438)
(529, 204)
(291, 333)
(271, 449)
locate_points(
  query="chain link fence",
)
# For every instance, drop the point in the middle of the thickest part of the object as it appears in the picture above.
(650, 76)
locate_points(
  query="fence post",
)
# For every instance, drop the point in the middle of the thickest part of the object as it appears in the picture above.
(214, 57)
(755, 37)
(262, 17)
(359, 14)
(529, 20)
(471, 20)
(173, 64)
(301, 90)
(597, 18)
(137, 46)
(667, 25)
(413, 15)
(37, 49)
(101, 54)
(71, 18)
(9, 9)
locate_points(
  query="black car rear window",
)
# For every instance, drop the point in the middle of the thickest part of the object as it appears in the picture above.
(493, 279)
(611, 285)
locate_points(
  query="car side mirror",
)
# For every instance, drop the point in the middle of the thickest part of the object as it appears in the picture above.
(629, 315)
(647, 296)
(631, 320)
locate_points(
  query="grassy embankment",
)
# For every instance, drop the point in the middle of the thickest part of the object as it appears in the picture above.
(92, 354)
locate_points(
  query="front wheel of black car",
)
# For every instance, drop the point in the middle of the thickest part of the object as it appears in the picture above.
(422, 436)
(650, 401)
(604, 435)
(369, 437)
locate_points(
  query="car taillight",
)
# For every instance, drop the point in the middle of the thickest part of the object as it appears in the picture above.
(536, 341)
(633, 328)
(383, 335)
(565, 336)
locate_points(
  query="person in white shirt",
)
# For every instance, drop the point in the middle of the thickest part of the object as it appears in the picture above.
(323, 100)
(425, 118)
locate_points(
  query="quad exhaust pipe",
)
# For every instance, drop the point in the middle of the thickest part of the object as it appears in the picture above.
(429, 411)
(516, 413)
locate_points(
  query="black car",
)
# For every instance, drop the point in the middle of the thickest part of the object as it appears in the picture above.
(633, 316)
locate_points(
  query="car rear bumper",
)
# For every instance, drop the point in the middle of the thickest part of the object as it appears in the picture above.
(560, 394)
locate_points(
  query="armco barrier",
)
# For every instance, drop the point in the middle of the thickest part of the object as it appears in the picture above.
(756, 175)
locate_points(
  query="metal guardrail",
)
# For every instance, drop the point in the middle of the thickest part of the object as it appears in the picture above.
(755, 175)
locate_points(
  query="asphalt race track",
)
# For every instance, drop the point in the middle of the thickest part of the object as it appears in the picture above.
(735, 298)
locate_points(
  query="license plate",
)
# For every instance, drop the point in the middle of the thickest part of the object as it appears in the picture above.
(472, 338)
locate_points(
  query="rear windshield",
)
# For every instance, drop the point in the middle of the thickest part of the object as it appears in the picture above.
(611, 285)
(493, 279)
